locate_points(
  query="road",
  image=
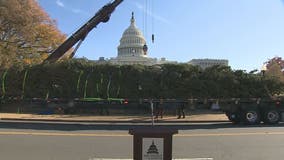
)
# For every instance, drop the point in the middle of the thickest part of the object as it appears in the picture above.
(56, 141)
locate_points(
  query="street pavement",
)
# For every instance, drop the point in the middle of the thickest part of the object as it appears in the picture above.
(194, 116)
(91, 141)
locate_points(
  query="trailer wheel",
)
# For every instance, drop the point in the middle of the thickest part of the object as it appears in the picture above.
(234, 117)
(251, 116)
(272, 117)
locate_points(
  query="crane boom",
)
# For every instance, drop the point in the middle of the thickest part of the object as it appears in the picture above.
(103, 15)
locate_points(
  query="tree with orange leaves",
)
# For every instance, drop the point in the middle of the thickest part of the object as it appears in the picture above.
(27, 33)
(275, 68)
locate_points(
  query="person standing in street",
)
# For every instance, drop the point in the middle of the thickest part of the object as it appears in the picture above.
(181, 107)
(159, 108)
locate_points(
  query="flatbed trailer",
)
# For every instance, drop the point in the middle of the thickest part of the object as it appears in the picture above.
(254, 110)
(241, 110)
(238, 110)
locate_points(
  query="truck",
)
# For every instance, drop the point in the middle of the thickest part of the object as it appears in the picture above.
(238, 110)
(254, 110)
(249, 111)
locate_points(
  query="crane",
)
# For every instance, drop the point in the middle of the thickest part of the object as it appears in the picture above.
(103, 15)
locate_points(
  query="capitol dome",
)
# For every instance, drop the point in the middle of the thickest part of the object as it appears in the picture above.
(132, 43)
(132, 49)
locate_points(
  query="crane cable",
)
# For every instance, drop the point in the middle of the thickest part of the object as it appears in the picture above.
(152, 12)
(149, 11)
(145, 15)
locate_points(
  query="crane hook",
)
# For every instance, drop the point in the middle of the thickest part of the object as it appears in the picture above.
(145, 49)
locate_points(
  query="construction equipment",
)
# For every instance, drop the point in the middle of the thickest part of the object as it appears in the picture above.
(103, 15)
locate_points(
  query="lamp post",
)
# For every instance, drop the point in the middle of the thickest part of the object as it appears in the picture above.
(139, 92)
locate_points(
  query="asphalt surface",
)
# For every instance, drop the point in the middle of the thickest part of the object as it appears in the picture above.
(89, 141)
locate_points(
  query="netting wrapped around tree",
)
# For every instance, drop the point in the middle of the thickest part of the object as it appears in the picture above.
(83, 79)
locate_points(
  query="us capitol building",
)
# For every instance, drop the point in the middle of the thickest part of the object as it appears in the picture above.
(133, 50)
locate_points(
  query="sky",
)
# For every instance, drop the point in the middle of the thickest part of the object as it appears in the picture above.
(246, 32)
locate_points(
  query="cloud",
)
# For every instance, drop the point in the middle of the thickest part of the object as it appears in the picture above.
(151, 14)
(78, 11)
(139, 6)
(60, 4)
(74, 10)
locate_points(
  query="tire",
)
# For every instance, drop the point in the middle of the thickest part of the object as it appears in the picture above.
(271, 117)
(234, 117)
(251, 117)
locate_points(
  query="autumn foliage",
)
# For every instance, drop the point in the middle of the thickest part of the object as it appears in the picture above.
(275, 68)
(27, 33)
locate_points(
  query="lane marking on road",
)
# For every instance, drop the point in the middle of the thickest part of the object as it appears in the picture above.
(65, 134)
(228, 134)
(195, 159)
(173, 159)
(127, 135)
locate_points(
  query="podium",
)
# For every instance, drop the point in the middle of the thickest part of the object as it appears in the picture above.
(152, 143)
